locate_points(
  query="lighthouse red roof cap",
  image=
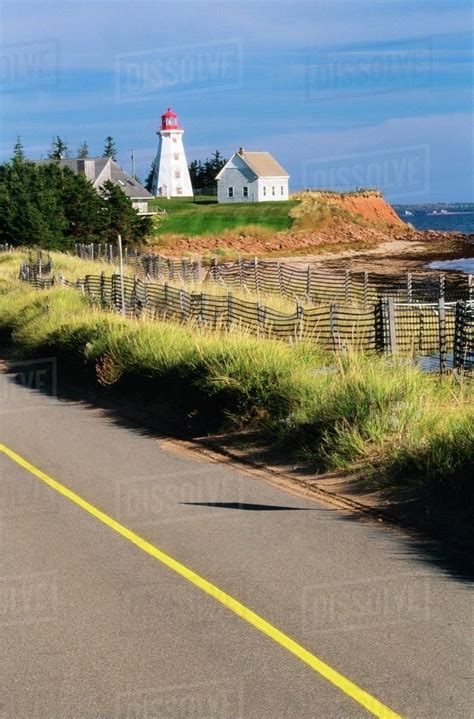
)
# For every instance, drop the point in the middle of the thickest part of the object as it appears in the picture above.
(169, 120)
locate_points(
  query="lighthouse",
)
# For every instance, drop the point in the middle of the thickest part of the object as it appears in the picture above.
(171, 174)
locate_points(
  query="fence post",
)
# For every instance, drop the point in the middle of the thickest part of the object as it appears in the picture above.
(366, 289)
(257, 274)
(299, 330)
(259, 318)
(309, 277)
(241, 272)
(166, 299)
(470, 287)
(422, 330)
(102, 288)
(145, 293)
(392, 326)
(181, 304)
(442, 335)
(347, 286)
(213, 272)
(280, 278)
(333, 323)
(230, 317)
(441, 286)
(409, 287)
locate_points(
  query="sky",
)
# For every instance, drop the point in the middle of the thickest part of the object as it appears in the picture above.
(344, 93)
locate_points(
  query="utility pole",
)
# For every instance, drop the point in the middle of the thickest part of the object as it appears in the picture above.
(122, 286)
(133, 164)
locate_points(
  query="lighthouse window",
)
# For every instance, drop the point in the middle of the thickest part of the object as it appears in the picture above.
(230, 192)
(176, 155)
(245, 191)
(177, 173)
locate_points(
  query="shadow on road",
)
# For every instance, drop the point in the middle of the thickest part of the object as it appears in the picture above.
(431, 536)
(250, 507)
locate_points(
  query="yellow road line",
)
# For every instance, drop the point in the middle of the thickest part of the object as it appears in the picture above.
(359, 695)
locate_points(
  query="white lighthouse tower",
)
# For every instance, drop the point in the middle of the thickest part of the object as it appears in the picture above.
(171, 174)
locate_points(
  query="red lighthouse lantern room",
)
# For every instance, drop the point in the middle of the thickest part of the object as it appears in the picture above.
(169, 120)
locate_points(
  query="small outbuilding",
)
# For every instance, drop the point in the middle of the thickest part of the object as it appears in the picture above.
(252, 177)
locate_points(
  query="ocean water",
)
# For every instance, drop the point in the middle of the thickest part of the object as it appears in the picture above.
(445, 217)
(463, 264)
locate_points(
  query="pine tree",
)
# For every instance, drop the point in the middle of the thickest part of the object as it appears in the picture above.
(19, 150)
(149, 179)
(110, 149)
(83, 150)
(122, 218)
(59, 149)
(203, 174)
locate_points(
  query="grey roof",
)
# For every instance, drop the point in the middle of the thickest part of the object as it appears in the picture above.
(101, 169)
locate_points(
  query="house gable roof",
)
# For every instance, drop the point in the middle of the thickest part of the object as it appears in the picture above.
(101, 169)
(262, 164)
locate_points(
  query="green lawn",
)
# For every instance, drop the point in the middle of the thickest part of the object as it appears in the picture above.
(205, 216)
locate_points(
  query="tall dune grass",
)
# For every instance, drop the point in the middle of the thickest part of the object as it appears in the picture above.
(383, 417)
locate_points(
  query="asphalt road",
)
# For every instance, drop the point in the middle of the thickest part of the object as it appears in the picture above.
(93, 626)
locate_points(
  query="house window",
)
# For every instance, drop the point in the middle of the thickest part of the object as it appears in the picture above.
(281, 190)
(273, 190)
(264, 190)
(230, 192)
(245, 191)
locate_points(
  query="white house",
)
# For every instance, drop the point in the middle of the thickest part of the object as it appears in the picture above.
(252, 177)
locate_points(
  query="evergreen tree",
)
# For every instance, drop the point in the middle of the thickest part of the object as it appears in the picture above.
(19, 150)
(149, 179)
(203, 174)
(83, 150)
(59, 149)
(110, 149)
(122, 218)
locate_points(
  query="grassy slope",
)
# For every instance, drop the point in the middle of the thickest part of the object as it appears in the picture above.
(398, 426)
(206, 216)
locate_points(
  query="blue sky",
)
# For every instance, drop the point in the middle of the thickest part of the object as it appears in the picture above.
(345, 93)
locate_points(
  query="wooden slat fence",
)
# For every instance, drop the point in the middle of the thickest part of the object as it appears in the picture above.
(316, 286)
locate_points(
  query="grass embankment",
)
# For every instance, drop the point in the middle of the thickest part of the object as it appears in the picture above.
(206, 216)
(397, 426)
